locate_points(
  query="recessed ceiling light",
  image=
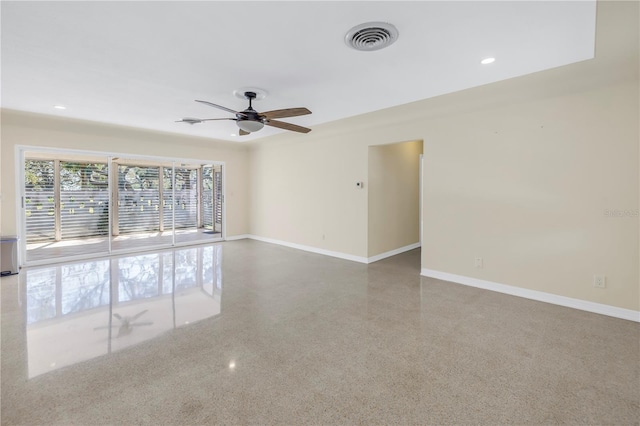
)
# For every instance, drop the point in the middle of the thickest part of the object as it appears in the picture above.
(60, 107)
(487, 61)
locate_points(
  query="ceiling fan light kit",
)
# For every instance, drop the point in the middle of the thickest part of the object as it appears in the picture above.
(250, 120)
(250, 126)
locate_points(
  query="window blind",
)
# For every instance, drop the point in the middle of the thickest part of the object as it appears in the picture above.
(39, 204)
(138, 199)
(84, 199)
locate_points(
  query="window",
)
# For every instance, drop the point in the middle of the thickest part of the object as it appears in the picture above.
(84, 199)
(77, 205)
(138, 199)
(39, 203)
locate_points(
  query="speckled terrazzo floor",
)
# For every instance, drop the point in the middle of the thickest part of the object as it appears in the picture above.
(263, 334)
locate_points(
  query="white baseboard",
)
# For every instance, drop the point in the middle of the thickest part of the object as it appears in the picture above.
(237, 237)
(337, 254)
(392, 252)
(540, 296)
(310, 249)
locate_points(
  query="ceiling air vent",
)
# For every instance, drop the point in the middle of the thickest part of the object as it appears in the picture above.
(371, 36)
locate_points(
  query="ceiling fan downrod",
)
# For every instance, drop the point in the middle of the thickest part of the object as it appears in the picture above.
(251, 96)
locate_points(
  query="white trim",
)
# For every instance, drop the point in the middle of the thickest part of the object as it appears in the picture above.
(393, 252)
(583, 305)
(21, 223)
(145, 157)
(310, 249)
(121, 252)
(331, 253)
(421, 189)
(237, 237)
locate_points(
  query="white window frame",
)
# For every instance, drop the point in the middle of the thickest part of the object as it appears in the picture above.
(21, 225)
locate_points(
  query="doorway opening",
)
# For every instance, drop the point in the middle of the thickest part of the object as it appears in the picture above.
(394, 199)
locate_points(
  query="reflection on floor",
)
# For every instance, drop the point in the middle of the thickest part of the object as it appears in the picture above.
(79, 311)
(48, 250)
(300, 339)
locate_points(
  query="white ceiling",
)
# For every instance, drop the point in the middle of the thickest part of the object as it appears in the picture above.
(142, 64)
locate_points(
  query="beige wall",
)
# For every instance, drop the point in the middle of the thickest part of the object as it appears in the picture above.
(37, 130)
(518, 172)
(524, 185)
(393, 196)
(527, 187)
(303, 191)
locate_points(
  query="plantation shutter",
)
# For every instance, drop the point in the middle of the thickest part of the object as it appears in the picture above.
(207, 197)
(167, 198)
(138, 199)
(84, 199)
(186, 197)
(39, 200)
(217, 179)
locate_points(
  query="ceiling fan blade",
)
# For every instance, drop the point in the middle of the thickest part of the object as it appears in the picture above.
(189, 120)
(287, 112)
(217, 106)
(287, 126)
(200, 120)
(244, 132)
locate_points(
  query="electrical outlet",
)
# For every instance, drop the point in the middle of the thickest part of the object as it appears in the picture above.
(599, 281)
(478, 262)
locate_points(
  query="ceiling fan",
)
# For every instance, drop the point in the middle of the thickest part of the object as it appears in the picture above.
(250, 120)
(127, 323)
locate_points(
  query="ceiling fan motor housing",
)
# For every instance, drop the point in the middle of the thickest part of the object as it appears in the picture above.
(249, 120)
